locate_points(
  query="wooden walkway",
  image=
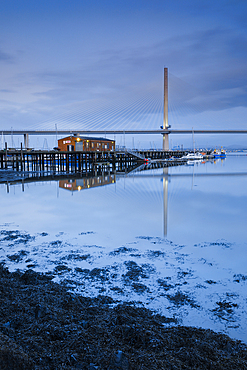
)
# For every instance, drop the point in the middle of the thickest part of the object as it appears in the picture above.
(73, 162)
(91, 176)
(62, 161)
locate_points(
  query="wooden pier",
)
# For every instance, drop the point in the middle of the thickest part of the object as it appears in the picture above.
(27, 166)
(90, 176)
(63, 161)
(73, 162)
(163, 154)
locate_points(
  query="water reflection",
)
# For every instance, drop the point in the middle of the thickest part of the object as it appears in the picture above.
(96, 176)
(99, 176)
(165, 199)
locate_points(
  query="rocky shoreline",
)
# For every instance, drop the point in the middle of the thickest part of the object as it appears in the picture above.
(42, 326)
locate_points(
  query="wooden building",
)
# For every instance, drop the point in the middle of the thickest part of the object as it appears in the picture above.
(85, 144)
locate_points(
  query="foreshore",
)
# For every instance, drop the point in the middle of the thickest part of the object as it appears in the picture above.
(42, 326)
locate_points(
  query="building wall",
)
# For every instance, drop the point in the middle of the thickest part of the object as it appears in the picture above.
(73, 143)
(63, 143)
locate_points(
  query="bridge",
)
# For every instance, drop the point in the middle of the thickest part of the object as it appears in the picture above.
(99, 121)
(164, 133)
(119, 132)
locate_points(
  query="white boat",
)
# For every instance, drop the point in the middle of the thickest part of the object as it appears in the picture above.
(193, 156)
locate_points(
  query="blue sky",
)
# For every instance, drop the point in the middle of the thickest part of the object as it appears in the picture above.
(62, 61)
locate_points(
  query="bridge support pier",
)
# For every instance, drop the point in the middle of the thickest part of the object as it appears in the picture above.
(165, 142)
(26, 141)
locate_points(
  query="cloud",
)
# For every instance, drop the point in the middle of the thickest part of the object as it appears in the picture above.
(6, 58)
(7, 91)
(204, 76)
(119, 53)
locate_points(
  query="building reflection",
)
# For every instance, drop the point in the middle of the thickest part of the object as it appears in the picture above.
(86, 183)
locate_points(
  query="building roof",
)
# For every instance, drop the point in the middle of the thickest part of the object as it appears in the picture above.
(88, 138)
(94, 138)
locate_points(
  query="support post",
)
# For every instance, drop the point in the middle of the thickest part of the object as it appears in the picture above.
(22, 158)
(26, 141)
(165, 142)
(6, 155)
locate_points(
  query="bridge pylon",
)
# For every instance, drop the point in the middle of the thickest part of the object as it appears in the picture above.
(165, 116)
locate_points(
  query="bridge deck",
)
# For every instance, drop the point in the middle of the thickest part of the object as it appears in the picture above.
(121, 132)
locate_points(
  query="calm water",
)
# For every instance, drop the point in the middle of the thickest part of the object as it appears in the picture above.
(174, 241)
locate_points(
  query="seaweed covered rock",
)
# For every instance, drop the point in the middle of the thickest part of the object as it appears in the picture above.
(42, 326)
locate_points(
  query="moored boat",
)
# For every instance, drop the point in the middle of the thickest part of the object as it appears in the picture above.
(219, 153)
(193, 156)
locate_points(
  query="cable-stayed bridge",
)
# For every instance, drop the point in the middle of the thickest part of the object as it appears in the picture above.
(136, 113)
(120, 132)
(162, 132)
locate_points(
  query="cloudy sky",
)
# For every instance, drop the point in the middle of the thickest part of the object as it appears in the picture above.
(99, 63)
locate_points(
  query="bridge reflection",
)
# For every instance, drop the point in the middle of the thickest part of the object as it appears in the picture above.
(101, 175)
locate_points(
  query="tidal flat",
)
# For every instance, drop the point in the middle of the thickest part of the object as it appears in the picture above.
(151, 272)
(42, 326)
